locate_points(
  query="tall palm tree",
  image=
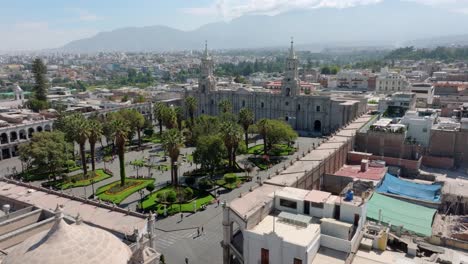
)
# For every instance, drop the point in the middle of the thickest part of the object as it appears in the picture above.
(122, 130)
(231, 134)
(169, 117)
(179, 112)
(191, 106)
(80, 130)
(159, 109)
(225, 106)
(172, 141)
(263, 127)
(95, 128)
(246, 118)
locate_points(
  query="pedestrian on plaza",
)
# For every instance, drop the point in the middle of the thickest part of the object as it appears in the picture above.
(202, 230)
(181, 216)
(198, 231)
(186, 260)
(217, 200)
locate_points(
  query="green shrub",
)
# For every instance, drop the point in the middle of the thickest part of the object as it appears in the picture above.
(150, 187)
(148, 132)
(230, 178)
(242, 149)
(188, 193)
(190, 180)
(171, 196)
(205, 184)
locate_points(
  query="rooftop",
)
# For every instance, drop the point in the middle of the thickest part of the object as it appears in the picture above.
(291, 233)
(99, 216)
(354, 171)
(315, 196)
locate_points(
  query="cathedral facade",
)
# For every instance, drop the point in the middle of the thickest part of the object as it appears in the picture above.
(312, 114)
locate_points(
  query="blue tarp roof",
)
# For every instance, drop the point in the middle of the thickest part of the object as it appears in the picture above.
(396, 186)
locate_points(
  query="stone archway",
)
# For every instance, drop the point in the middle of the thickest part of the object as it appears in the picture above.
(47, 128)
(39, 129)
(22, 134)
(317, 126)
(3, 138)
(30, 132)
(13, 136)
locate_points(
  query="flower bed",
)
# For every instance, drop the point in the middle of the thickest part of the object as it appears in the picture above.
(115, 193)
(78, 180)
(151, 203)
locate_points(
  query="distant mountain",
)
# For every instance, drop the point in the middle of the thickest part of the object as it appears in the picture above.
(388, 23)
(447, 41)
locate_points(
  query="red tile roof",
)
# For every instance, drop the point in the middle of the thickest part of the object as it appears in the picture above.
(372, 173)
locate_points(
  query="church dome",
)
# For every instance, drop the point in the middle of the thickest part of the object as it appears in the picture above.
(72, 244)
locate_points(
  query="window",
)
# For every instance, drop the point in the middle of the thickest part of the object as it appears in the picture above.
(297, 261)
(265, 256)
(424, 130)
(287, 103)
(288, 203)
(317, 205)
(298, 107)
(317, 108)
(262, 105)
(212, 101)
(243, 103)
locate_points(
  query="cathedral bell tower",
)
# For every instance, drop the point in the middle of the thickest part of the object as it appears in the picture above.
(207, 81)
(290, 85)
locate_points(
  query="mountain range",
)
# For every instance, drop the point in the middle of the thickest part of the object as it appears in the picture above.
(389, 23)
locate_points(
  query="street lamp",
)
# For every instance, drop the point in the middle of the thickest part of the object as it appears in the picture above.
(141, 192)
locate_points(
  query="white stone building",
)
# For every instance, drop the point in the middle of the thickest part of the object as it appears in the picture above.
(355, 80)
(315, 113)
(419, 124)
(297, 226)
(424, 94)
(391, 82)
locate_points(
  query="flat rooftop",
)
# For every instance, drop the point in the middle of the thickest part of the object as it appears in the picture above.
(250, 202)
(291, 233)
(315, 196)
(354, 171)
(293, 193)
(94, 215)
(329, 256)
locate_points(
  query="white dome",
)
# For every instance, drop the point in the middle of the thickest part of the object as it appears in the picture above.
(71, 244)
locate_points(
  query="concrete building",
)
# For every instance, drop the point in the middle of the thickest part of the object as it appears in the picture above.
(391, 82)
(313, 113)
(424, 94)
(419, 125)
(354, 80)
(397, 104)
(299, 223)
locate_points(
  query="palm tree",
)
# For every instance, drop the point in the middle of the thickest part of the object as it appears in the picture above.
(225, 106)
(135, 120)
(246, 118)
(80, 130)
(191, 106)
(169, 117)
(231, 134)
(122, 130)
(179, 112)
(95, 128)
(159, 109)
(263, 127)
(172, 141)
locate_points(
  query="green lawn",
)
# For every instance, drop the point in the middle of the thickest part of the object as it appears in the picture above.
(150, 203)
(277, 150)
(113, 192)
(78, 180)
(155, 139)
(231, 186)
(264, 164)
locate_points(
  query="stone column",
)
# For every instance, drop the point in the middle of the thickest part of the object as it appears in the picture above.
(226, 235)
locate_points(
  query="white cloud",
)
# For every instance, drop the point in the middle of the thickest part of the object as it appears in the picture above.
(229, 9)
(35, 35)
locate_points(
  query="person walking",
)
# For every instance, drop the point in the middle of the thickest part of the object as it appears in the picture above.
(186, 260)
(181, 216)
(198, 231)
(202, 230)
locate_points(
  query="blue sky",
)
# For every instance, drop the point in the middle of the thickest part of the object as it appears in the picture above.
(38, 24)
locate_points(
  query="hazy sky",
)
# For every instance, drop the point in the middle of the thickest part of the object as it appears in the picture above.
(38, 24)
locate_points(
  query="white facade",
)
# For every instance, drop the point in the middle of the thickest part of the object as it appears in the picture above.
(424, 94)
(390, 82)
(355, 80)
(418, 125)
(311, 222)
